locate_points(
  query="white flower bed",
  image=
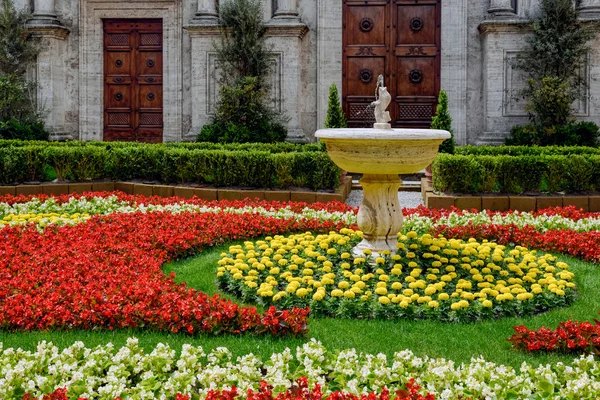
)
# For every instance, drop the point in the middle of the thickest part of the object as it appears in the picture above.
(106, 372)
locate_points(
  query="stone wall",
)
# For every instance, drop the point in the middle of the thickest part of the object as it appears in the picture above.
(479, 40)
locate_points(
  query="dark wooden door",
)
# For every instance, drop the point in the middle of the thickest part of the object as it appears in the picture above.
(133, 77)
(401, 40)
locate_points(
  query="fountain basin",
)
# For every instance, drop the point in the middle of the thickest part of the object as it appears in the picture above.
(381, 155)
(379, 151)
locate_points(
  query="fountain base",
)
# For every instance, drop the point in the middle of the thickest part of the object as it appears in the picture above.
(382, 126)
(380, 216)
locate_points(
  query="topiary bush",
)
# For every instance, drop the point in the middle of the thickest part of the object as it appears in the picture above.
(335, 117)
(442, 120)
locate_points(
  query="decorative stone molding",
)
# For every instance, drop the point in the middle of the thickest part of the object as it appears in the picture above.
(518, 26)
(58, 32)
(276, 29)
(589, 9)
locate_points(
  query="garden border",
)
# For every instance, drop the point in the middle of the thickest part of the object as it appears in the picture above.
(511, 202)
(162, 190)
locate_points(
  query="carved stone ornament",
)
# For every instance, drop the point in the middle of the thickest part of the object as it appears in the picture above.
(365, 76)
(119, 63)
(415, 76)
(150, 96)
(118, 96)
(366, 25)
(416, 24)
(150, 63)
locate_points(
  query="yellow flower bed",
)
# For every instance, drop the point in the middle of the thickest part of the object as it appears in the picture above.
(427, 277)
(43, 219)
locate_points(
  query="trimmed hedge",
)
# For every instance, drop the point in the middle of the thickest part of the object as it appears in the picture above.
(524, 150)
(572, 173)
(247, 166)
(283, 147)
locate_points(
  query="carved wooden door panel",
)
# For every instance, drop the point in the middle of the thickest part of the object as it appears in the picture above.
(133, 68)
(366, 47)
(416, 33)
(401, 40)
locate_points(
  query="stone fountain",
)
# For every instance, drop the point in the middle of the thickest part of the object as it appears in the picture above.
(381, 154)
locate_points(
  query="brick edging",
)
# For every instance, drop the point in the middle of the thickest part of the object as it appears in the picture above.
(515, 203)
(181, 191)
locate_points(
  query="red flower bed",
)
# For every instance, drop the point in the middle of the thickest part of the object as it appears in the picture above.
(106, 274)
(583, 245)
(157, 200)
(570, 212)
(300, 391)
(569, 337)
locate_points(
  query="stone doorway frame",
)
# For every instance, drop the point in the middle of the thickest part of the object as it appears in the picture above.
(91, 58)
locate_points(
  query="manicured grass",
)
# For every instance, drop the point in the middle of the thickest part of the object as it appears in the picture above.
(458, 342)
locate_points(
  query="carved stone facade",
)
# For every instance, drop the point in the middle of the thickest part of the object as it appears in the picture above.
(479, 41)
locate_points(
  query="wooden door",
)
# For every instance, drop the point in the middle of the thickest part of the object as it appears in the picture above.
(401, 40)
(133, 70)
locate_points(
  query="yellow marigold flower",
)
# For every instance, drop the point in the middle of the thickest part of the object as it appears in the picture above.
(443, 296)
(381, 291)
(349, 294)
(343, 285)
(431, 277)
(355, 278)
(455, 306)
(410, 254)
(331, 251)
(237, 276)
(367, 252)
(379, 260)
(404, 304)
(383, 300)
(433, 304)
(337, 293)
(430, 290)
(408, 292)
(396, 286)
(384, 278)
(318, 296)
(346, 265)
(396, 257)
(396, 271)
(411, 234)
(487, 303)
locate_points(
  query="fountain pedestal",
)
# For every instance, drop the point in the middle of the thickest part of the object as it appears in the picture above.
(380, 215)
(381, 155)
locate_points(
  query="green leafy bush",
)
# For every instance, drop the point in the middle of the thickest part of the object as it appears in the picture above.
(245, 167)
(335, 117)
(516, 173)
(19, 115)
(571, 134)
(243, 116)
(442, 120)
(243, 113)
(523, 150)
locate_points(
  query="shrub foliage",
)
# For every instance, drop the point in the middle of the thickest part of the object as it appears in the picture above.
(443, 120)
(335, 117)
(243, 111)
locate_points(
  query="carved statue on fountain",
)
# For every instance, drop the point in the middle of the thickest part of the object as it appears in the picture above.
(383, 100)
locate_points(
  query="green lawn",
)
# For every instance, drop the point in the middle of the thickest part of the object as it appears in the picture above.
(458, 342)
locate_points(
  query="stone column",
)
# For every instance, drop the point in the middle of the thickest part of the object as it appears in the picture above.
(501, 9)
(44, 14)
(207, 13)
(589, 9)
(287, 10)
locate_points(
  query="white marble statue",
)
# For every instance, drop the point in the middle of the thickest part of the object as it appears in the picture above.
(383, 100)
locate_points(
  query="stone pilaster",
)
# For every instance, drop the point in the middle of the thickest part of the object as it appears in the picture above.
(206, 14)
(501, 9)
(589, 9)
